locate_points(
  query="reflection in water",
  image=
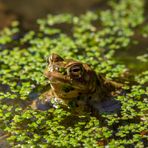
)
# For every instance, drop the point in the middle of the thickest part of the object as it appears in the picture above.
(28, 11)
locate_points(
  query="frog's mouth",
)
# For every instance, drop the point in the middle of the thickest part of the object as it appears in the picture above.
(58, 80)
(55, 77)
(62, 86)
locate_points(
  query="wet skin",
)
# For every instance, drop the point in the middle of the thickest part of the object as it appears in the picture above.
(75, 85)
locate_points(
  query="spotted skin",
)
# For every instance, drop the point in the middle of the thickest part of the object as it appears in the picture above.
(75, 85)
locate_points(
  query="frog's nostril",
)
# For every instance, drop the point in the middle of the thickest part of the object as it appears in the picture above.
(57, 68)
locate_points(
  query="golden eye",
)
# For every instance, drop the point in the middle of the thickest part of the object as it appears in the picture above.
(76, 70)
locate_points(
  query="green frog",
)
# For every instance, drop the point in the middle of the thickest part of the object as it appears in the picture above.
(75, 85)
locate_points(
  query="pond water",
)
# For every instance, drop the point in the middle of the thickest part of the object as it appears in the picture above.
(27, 12)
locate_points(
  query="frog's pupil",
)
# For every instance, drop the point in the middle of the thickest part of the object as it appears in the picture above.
(75, 69)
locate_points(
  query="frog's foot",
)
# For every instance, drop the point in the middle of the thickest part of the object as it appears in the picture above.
(40, 105)
(108, 106)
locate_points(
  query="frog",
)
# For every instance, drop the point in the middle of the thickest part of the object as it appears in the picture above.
(75, 85)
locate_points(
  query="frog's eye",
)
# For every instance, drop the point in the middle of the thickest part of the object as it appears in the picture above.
(76, 70)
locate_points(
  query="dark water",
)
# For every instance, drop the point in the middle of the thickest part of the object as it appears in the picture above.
(129, 55)
(27, 11)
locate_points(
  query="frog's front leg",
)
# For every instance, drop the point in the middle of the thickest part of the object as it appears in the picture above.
(43, 102)
(113, 85)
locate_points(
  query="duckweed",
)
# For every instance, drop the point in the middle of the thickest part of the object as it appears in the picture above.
(22, 63)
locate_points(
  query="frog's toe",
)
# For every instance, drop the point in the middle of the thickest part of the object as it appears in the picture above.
(37, 104)
(111, 106)
(45, 106)
(108, 106)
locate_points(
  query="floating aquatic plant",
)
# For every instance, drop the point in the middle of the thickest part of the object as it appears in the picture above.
(22, 63)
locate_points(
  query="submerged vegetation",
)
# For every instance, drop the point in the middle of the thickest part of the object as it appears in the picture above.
(94, 38)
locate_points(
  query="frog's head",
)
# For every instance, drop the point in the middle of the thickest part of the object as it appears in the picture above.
(69, 78)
